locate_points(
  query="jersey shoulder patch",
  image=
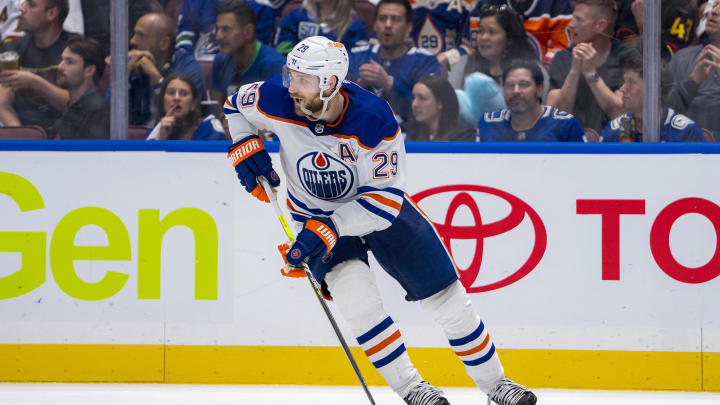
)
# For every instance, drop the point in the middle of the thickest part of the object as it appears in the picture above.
(680, 122)
(615, 124)
(495, 116)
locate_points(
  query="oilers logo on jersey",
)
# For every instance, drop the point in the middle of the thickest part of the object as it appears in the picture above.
(324, 176)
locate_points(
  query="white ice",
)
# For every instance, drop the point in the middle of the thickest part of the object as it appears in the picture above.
(161, 394)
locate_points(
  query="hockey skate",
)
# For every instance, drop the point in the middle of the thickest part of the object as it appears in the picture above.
(508, 392)
(425, 394)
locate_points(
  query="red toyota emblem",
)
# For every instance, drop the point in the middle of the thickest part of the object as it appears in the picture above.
(480, 231)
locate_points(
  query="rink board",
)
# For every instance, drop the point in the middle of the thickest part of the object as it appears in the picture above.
(147, 262)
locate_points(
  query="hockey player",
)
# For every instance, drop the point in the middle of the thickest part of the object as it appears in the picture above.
(344, 161)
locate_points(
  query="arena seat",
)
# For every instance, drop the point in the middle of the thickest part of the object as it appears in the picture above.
(22, 132)
(591, 135)
(137, 132)
(709, 137)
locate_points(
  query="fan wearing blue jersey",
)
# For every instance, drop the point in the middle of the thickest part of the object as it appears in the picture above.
(345, 168)
(243, 58)
(391, 68)
(674, 127)
(334, 19)
(196, 26)
(526, 119)
(439, 25)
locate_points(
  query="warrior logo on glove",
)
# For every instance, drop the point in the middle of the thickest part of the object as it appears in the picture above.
(316, 239)
(251, 160)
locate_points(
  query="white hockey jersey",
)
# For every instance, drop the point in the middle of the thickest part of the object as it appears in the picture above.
(352, 170)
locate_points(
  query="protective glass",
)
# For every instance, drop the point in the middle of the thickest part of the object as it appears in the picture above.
(300, 82)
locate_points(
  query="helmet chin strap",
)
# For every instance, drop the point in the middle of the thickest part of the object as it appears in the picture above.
(325, 101)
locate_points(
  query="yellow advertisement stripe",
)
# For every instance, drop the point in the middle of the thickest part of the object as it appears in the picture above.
(581, 369)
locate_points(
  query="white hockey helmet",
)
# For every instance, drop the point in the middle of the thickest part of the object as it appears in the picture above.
(321, 57)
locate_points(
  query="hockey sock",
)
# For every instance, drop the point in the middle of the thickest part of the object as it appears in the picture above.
(356, 295)
(468, 337)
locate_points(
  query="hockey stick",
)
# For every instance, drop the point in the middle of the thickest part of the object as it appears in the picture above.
(315, 286)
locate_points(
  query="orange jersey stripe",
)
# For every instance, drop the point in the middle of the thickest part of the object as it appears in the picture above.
(476, 349)
(385, 201)
(395, 336)
(288, 120)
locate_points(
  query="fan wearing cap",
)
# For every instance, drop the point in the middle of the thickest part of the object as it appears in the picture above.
(344, 165)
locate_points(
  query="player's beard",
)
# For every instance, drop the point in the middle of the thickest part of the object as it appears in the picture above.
(315, 105)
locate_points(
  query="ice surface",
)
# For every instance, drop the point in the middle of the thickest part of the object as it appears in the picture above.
(160, 394)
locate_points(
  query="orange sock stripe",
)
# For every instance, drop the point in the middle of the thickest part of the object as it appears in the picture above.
(395, 336)
(477, 348)
(385, 201)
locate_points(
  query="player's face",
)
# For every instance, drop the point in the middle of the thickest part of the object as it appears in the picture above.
(491, 38)
(391, 26)
(230, 35)
(632, 91)
(583, 26)
(521, 93)
(178, 100)
(33, 16)
(70, 73)
(425, 107)
(304, 90)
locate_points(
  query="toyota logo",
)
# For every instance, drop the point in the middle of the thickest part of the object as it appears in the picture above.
(479, 231)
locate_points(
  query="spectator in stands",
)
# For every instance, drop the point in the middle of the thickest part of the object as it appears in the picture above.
(436, 113)
(526, 119)
(179, 116)
(10, 14)
(242, 58)
(674, 127)
(9, 29)
(196, 26)
(677, 19)
(500, 38)
(696, 70)
(391, 68)
(152, 57)
(438, 26)
(546, 21)
(29, 95)
(704, 8)
(87, 115)
(96, 18)
(334, 19)
(586, 77)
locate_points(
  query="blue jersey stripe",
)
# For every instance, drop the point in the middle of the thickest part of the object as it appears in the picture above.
(298, 217)
(482, 359)
(390, 357)
(365, 337)
(375, 210)
(315, 211)
(469, 338)
(396, 191)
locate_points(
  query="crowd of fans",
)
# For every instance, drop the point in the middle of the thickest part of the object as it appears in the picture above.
(471, 70)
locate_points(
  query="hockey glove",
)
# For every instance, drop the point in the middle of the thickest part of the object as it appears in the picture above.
(316, 239)
(288, 270)
(251, 160)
